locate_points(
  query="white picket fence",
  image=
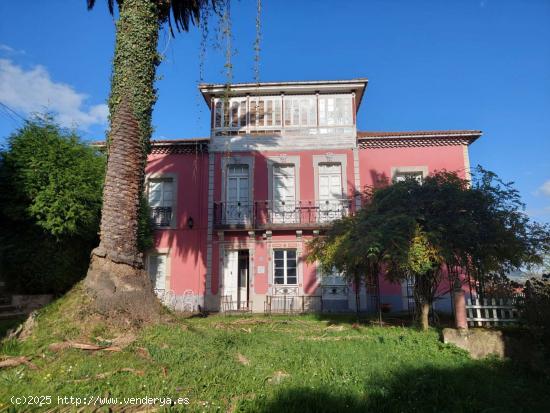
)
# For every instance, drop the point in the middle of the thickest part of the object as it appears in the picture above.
(491, 312)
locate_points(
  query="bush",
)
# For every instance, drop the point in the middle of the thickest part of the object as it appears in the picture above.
(50, 203)
(536, 309)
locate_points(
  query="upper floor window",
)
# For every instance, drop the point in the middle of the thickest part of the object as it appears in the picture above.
(238, 208)
(230, 113)
(300, 111)
(161, 200)
(265, 112)
(335, 110)
(403, 176)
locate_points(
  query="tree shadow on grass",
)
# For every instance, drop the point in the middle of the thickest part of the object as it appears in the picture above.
(484, 386)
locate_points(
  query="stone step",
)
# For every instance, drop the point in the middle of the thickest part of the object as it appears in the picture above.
(7, 308)
(5, 300)
(12, 315)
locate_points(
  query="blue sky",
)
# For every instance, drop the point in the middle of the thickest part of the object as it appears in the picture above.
(454, 64)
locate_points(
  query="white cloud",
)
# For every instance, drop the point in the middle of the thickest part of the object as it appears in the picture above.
(31, 91)
(544, 189)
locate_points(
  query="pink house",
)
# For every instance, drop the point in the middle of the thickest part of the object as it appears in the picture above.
(234, 211)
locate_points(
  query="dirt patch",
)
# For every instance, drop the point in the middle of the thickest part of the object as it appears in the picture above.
(243, 360)
(17, 361)
(277, 377)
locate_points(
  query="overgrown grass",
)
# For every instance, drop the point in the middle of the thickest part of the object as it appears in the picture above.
(271, 364)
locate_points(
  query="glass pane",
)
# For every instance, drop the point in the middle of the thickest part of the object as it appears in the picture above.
(269, 113)
(291, 280)
(261, 113)
(253, 113)
(154, 198)
(279, 263)
(291, 254)
(218, 115)
(277, 113)
(279, 254)
(167, 198)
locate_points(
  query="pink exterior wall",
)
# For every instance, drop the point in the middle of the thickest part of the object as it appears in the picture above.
(188, 247)
(187, 258)
(375, 164)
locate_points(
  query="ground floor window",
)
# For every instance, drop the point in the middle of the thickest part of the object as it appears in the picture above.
(157, 271)
(284, 268)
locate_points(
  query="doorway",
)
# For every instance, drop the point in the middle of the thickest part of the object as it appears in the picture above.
(236, 281)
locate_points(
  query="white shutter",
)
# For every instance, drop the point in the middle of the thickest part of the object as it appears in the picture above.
(157, 271)
(230, 276)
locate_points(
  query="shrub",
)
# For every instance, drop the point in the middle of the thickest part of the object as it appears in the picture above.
(536, 308)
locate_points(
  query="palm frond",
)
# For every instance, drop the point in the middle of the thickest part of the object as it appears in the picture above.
(183, 12)
(186, 12)
(110, 4)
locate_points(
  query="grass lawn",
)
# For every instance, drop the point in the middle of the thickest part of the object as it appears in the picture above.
(270, 364)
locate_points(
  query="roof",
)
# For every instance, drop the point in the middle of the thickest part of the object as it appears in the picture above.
(423, 133)
(357, 85)
(173, 146)
(367, 139)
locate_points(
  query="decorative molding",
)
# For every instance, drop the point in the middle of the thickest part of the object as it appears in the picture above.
(179, 148)
(401, 142)
(210, 226)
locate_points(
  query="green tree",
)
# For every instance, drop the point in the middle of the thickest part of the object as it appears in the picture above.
(50, 201)
(415, 230)
(116, 277)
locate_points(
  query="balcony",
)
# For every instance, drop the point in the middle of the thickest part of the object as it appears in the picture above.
(279, 214)
(161, 216)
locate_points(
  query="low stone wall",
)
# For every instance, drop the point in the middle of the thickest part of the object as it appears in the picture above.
(479, 343)
(517, 344)
(29, 303)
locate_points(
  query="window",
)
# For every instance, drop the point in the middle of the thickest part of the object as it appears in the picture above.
(300, 111)
(157, 271)
(265, 112)
(284, 194)
(403, 176)
(332, 278)
(284, 267)
(238, 207)
(161, 200)
(335, 110)
(330, 192)
(230, 113)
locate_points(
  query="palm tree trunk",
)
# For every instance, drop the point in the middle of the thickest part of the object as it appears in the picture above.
(116, 276)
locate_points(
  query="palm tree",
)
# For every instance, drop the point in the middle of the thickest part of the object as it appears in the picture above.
(116, 277)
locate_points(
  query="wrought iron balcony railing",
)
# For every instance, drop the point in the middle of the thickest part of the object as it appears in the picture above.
(161, 216)
(273, 214)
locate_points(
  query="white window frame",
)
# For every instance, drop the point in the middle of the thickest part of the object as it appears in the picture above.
(400, 173)
(160, 253)
(165, 177)
(224, 111)
(276, 108)
(326, 102)
(296, 115)
(285, 266)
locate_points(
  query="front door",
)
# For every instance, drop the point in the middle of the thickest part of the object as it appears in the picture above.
(243, 287)
(230, 280)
